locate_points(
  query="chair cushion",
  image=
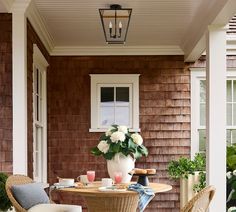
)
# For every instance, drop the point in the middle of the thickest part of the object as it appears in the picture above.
(55, 208)
(28, 195)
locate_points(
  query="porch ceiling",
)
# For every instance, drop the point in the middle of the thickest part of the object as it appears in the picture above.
(164, 27)
(77, 23)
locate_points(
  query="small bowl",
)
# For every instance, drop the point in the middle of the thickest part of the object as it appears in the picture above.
(66, 181)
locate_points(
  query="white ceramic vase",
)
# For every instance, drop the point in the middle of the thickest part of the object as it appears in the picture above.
(121, 163)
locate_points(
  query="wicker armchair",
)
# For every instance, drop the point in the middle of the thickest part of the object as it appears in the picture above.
(21, 179)
(201, 201)
(16, 180)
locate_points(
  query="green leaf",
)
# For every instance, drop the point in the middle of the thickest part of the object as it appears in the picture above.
(96, 151)
(109, 155)
(115, 147)
(103, 137)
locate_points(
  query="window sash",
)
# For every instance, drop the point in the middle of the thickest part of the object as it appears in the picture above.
(118, 85)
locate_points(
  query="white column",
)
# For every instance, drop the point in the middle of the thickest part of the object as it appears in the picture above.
(19, 86)
(216, 115)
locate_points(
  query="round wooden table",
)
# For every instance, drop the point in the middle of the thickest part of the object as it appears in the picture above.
(113, 201)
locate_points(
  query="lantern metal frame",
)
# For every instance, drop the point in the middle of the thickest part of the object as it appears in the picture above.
(115, 7)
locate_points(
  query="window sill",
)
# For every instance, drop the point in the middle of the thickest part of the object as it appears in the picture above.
(104, 130)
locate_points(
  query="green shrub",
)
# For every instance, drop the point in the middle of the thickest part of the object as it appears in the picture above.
(5, 203)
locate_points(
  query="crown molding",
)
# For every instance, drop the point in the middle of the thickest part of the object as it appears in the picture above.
(116, 50)
(19, 6)
(7, 4)
(40, 27)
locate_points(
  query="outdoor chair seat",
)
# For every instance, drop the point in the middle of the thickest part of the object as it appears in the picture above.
(201, 201)
(50, 207)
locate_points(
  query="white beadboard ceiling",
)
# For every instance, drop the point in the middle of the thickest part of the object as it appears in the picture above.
(153, 22)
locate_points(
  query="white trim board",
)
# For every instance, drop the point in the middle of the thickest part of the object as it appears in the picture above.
(116, 50)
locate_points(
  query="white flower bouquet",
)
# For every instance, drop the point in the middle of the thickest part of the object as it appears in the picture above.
(118, 139)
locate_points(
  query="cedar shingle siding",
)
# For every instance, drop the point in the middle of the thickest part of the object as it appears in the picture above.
(164, 116)
(5, 93)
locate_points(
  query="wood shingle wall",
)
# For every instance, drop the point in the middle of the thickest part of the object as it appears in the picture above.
(5, 93)
(164, 116)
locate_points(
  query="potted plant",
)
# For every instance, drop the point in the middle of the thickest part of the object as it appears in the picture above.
(5, 203)
(191, 174)
(120, 148)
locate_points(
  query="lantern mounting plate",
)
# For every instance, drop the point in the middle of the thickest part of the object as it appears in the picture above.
(115, 7)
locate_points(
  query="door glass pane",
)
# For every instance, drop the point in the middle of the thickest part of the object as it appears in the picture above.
(202, 90)
(202, 140)
(202, 114)
(229, 114)
(229, 90)
(107, 116)
(107, 95)
(122, 116)
(122, 94)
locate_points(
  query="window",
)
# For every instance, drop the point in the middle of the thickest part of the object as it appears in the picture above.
(198, 110)
(114, 100)
(39, 117)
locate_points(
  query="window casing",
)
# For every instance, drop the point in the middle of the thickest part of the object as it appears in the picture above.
(198, 109)
(39, 117)
(114, 100)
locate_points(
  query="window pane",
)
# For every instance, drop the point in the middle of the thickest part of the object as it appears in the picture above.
(37, 108)
(229, 90)
(107, 94)
(229, 114)
(202, 140)
(36, 169)
(122, 94)
(234, 114)
(202, 114)
(228, 137)
(233, 136)
(37, 81)
(202, 90)
(234, 90)
(122, 116)
(107, 116)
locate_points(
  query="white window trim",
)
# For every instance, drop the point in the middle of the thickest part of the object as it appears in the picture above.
(196, 75)
(40, 62)
(114, 79)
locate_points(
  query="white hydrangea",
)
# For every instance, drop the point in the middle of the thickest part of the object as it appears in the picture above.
(234, 172)
(109, 131)
(231, 209)
(103, 146)
(123, 129)
(137, 138)
(117, 136)
(229, 175)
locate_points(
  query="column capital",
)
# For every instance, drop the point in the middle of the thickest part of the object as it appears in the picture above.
(20, 6)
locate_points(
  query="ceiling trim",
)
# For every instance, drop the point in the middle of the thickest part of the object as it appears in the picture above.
(40, 27)
(7, 4)
(117, 50)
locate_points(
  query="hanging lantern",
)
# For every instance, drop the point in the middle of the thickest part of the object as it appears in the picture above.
(115, 23)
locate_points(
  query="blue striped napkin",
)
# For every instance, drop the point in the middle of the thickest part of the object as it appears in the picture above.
(145, 195)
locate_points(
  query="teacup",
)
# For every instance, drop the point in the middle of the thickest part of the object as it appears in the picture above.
(83, 179)
(106, 182)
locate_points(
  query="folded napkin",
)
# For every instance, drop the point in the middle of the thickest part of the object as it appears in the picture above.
(56, 186)
(145, 195)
